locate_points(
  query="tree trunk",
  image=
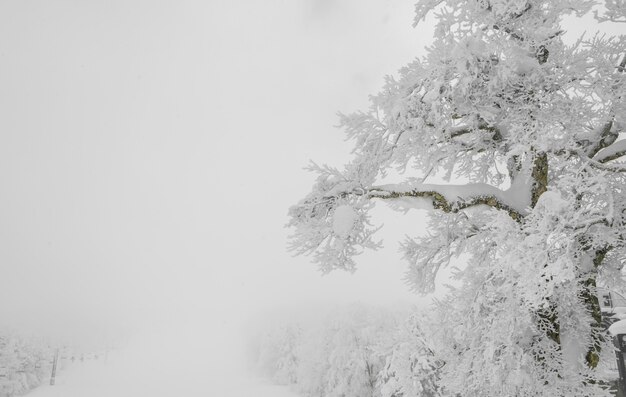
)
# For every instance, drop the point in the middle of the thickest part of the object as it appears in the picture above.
(590, 298)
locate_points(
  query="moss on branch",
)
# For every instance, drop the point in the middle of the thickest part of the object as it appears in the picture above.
(540, 177)
(440, 202)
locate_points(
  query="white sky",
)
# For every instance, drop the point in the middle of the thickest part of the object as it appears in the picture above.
(149, 151)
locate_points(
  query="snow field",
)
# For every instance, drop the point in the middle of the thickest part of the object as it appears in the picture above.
(184, 363)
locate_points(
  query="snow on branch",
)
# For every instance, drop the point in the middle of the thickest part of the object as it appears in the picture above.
(615, 11)
(454, 198)
(458, 131)
(332, 223)
(422, 8)
(612, 152)
(605, 138)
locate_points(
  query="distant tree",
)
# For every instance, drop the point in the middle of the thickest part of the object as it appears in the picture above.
(533, 129)
(276, 355)
(24, 365)
(287, 363)
(312, 378)
(354, 361)
(341, 355)
(411, 368)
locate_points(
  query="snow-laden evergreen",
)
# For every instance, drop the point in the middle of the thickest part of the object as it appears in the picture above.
(533, 127)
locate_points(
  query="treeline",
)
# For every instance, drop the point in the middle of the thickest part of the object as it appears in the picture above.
(355, 351)
(24, 365)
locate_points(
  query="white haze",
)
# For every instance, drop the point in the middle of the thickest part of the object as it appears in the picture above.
(149, 151)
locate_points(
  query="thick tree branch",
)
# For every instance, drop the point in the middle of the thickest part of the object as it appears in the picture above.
(594, 162)
(612, 152)
(606, 138)
(442, 201)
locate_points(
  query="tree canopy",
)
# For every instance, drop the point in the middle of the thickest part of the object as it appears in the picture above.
(528, 131)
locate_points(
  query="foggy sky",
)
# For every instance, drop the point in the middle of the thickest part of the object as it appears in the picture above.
(149, 151)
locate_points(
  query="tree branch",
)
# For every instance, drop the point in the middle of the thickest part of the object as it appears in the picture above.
(606, 139)
(442, 200)
(612, 152)
(510, 32)
(540, 177)
(592, 162)
(482, 126)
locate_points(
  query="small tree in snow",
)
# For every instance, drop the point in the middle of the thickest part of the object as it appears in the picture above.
(534, 128)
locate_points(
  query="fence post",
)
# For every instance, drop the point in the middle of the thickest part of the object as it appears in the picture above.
(54, 367)
(619, 341)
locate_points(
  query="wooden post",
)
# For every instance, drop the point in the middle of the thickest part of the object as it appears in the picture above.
(54, 367)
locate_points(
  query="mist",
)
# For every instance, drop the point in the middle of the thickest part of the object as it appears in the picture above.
(149, 152)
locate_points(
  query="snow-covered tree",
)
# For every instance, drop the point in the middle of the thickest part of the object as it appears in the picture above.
(24, 365)
(527, 131)
(411, 368)
(354, 362)
(276, 355)
(341, 354)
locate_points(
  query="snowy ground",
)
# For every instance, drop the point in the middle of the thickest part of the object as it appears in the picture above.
(162, 365)
(96, 379)
(121, 378)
